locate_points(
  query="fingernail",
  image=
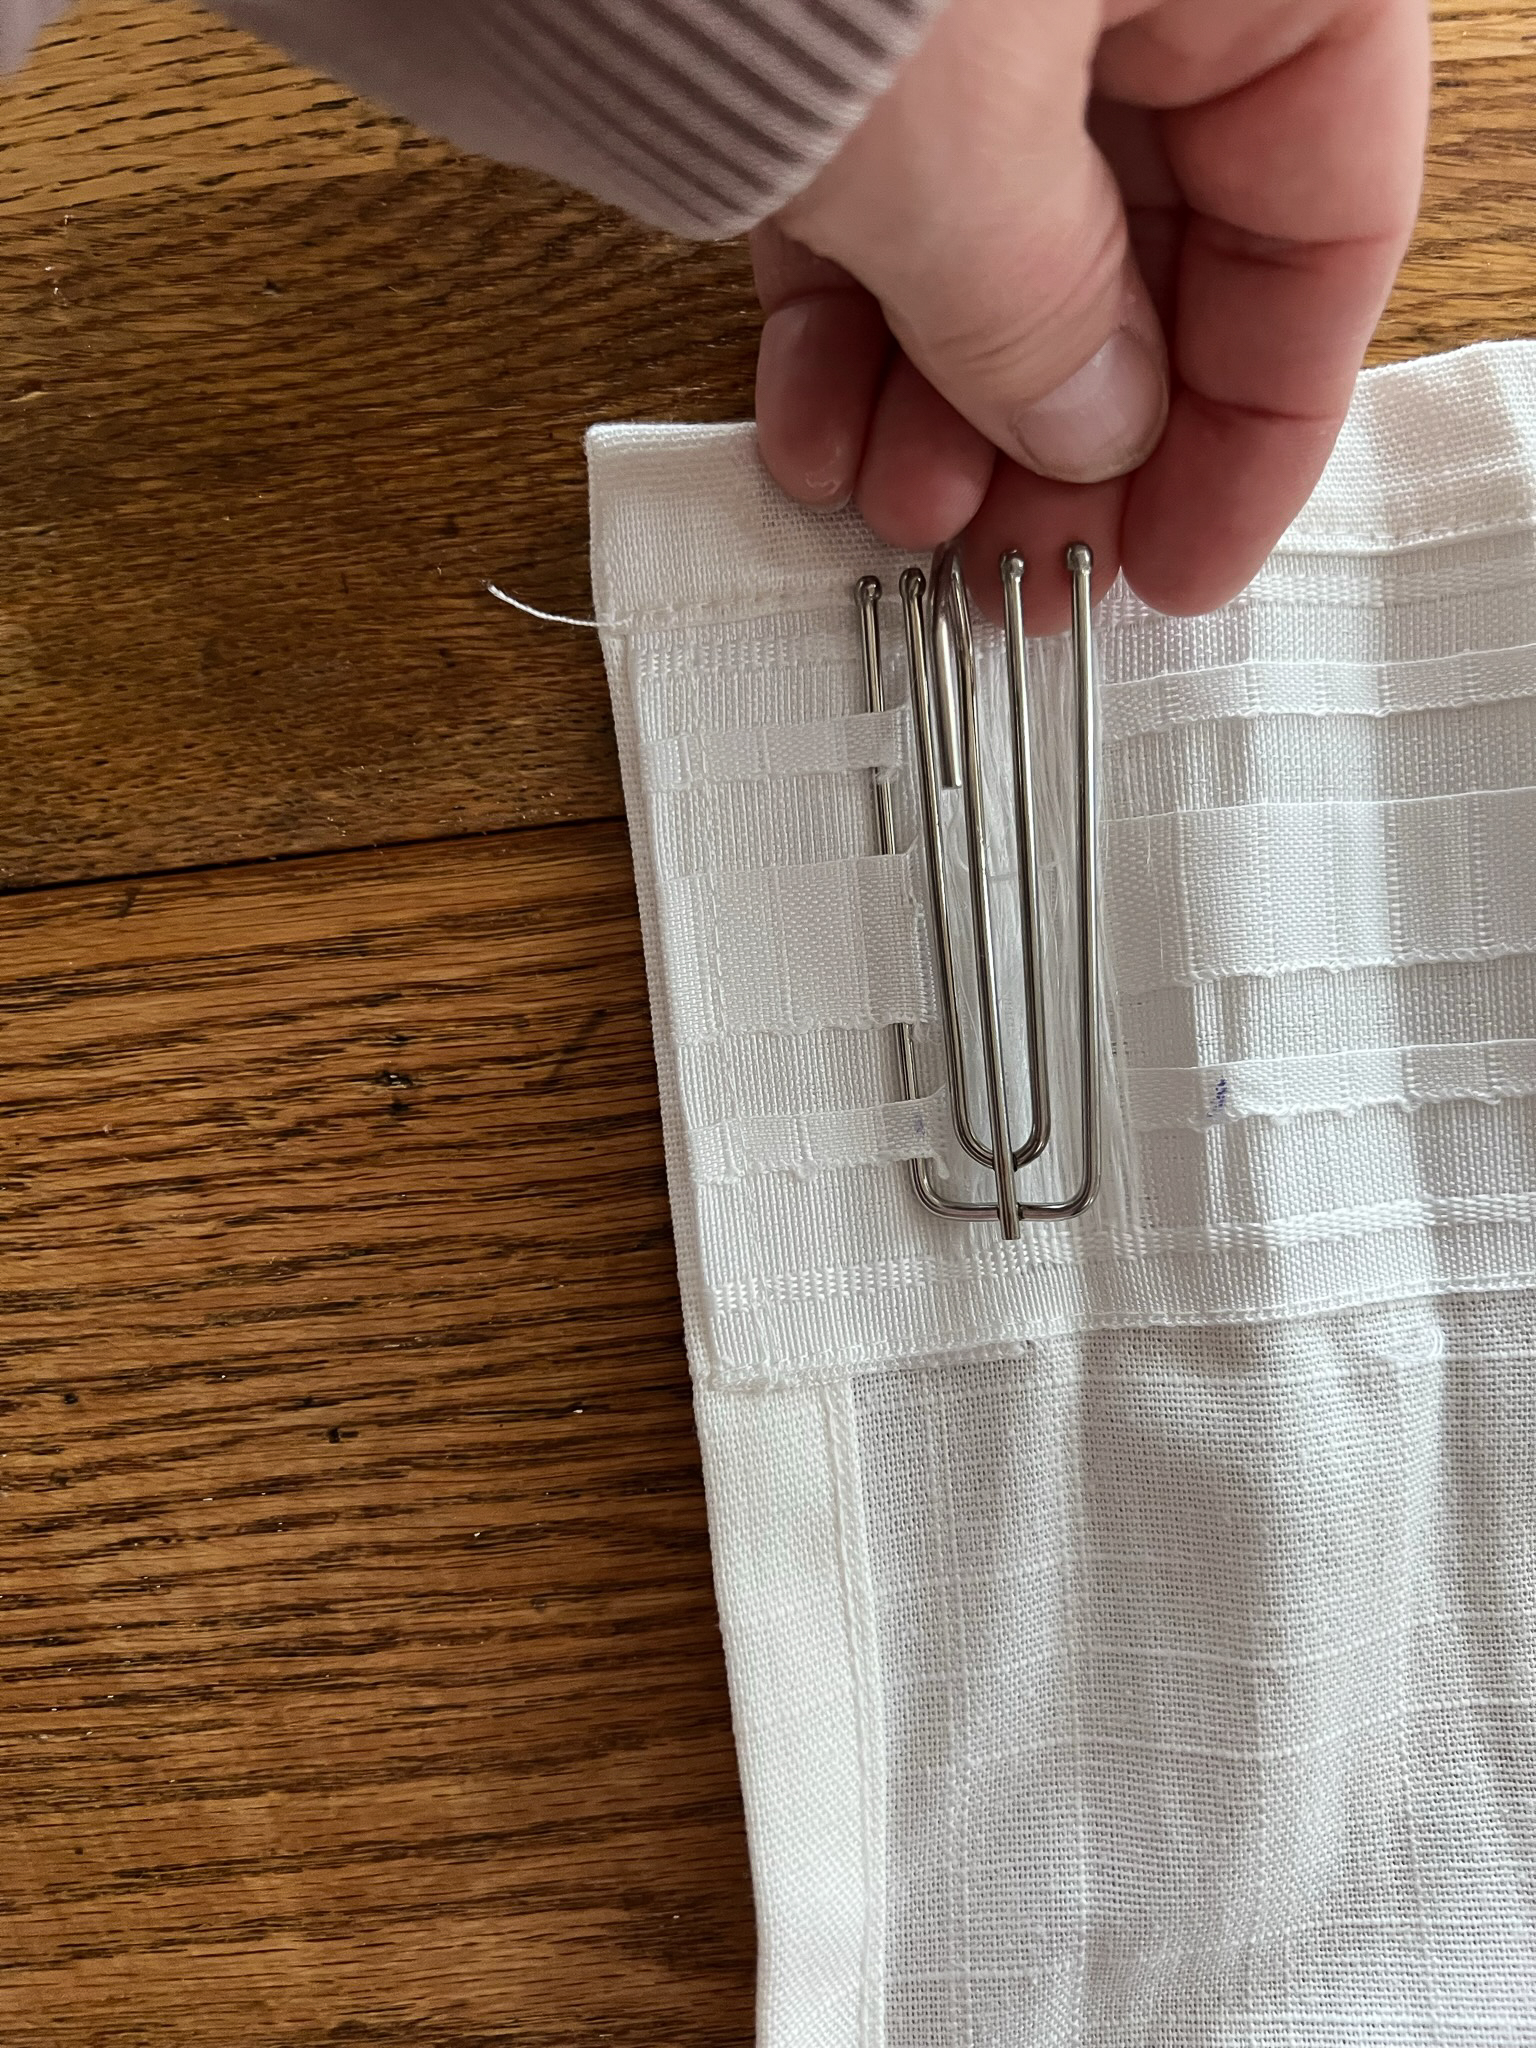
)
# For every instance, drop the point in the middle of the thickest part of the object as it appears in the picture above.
(1103, 421)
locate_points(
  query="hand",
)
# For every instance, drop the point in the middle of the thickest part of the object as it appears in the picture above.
(1101, 272)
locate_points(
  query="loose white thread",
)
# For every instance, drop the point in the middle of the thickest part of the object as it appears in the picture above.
(533, 612)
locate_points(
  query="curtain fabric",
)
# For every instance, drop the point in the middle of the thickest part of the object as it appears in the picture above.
(1132, 1630)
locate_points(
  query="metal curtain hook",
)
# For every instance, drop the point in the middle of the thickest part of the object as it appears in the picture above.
(941, 664)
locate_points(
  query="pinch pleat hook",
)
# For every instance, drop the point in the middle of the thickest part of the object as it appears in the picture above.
(941, 665)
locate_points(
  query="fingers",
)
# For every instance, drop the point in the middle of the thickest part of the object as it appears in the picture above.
(925, 470)
(1251, 429)
(820, 363)
(1303, 187)
(1106, 416)
(1131, 140)
(1270, 158)
(841, 414)
(1040, 518)
(973, 204)
(819, 366)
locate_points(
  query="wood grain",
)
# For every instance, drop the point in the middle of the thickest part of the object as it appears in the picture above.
(266, 431)
(127, 102)
(1482, 28)
(1471, 273)
(361, 1677)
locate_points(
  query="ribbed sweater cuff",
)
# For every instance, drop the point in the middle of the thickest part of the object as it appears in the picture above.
(701, 116)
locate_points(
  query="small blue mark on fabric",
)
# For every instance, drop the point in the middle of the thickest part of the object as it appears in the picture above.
(1219, 1104)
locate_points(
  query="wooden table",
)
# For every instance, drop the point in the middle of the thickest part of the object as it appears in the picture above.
(360, 1675)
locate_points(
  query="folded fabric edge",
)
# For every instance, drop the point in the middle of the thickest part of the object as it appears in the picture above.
(1436, 450)
(789, 1550)
(789, 1545)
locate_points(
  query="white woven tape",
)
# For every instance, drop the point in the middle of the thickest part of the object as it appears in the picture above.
(815, 1141)
(1319, 873)
(1272, 889)
(758, 753)
(795, 948)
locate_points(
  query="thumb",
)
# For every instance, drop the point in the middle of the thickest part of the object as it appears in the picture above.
(974, 206)
(1104, 417)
